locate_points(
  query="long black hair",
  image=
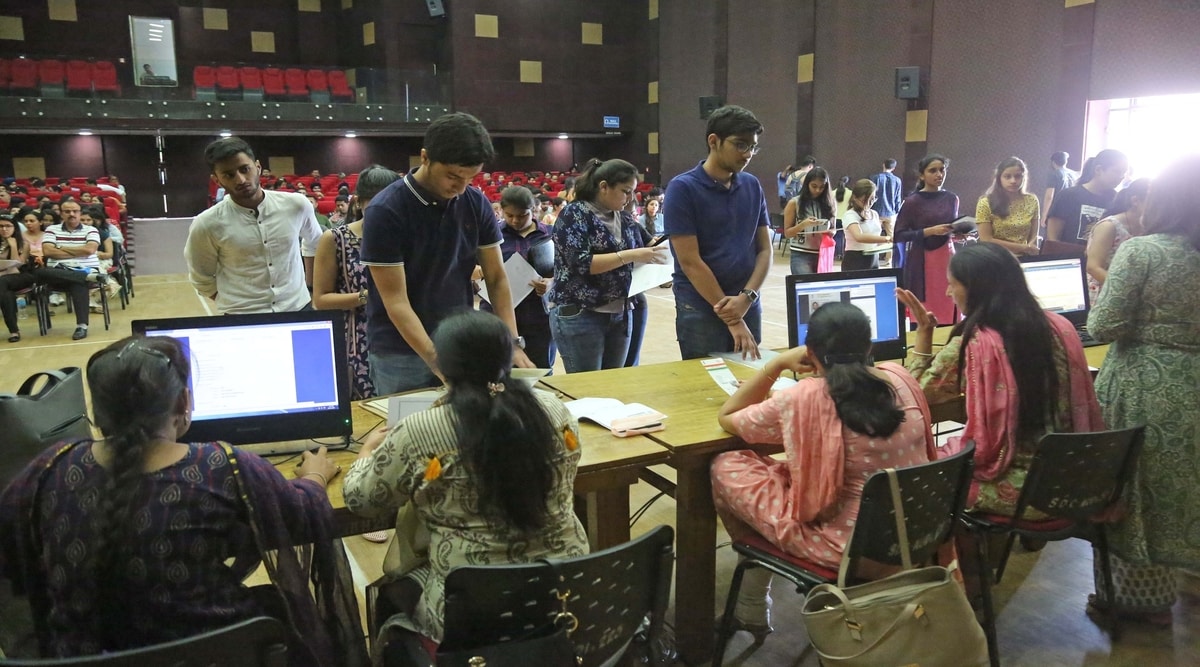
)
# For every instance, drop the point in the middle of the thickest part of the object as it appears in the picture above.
(613, 172)
(138, 385)
(824, 200)
(504, 436)
(998, 298)
(839, 335)
(996, 195)
(1138, 189)
(924, 164)
(1105, 159)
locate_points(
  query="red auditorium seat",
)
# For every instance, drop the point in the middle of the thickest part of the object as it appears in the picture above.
(24, 75)
(306, 180)
(339, 90)
(104, 78)
(79, 77)
(273, 87)
(329, 183)
(228, 86)
(326, 206)
(351, 181)
(252, 83)
(318, 85)
(204, 79)
(297, 84)
(5, 73)
(52, 180)
(51, 75)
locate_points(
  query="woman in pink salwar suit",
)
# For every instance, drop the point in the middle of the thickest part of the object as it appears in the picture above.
(837, 428)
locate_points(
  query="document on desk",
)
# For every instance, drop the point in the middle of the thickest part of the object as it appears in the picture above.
(758, 364)
(623, 419)
(720, 373)
(520, 274)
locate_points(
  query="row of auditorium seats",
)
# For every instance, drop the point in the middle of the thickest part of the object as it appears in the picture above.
(74, 187)
(56, 78)
(271, 83)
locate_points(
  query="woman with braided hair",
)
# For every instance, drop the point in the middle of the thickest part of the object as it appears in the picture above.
(490, 470)
(138, 539)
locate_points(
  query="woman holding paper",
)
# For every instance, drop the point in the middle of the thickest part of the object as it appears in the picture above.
(522, 234)
(923, 228)
(490, 471)
(596, 242)
(846, 421)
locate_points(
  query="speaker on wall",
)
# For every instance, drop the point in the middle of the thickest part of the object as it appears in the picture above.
(908, 83)
(436, 8)
(709, 104)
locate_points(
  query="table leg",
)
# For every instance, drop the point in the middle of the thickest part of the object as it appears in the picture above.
(608, 517)
(696, 560)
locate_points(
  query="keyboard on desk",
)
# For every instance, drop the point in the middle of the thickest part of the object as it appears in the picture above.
(1086, 338)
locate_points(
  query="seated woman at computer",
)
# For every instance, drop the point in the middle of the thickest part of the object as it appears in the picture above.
(490, 470)
(837, 427)
(124, 542)
(1009, 405)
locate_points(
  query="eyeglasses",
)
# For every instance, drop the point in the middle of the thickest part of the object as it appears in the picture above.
(744, 148)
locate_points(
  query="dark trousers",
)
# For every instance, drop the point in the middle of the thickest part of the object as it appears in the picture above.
(9, 285)
(74, 283)
(856, 260)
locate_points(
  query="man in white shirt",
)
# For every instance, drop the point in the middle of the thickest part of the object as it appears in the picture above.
(70, 251)
(251, 252)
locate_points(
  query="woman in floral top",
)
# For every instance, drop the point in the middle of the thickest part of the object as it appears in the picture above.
(1007, 215)
(490, 469)
(595, 245)
(1021, 368)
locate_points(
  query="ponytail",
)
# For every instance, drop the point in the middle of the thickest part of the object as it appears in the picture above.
(587, 184)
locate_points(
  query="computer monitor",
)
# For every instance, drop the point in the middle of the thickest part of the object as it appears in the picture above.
(873, 291)
(1059, 283)
(264, 378)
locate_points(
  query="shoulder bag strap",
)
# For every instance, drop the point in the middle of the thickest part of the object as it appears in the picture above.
(54, 377)
(901, 525)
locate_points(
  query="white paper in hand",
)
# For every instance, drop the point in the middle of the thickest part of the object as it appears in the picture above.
(520, 273)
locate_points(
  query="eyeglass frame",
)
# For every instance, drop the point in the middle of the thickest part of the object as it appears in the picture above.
(743, 147)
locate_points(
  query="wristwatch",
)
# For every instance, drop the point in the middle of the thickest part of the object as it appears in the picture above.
(750, 294)
(519, 341)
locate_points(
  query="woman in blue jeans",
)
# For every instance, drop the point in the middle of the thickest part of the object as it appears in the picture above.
(596, 245)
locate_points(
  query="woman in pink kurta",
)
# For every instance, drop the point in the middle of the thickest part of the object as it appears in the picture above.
(837, 429)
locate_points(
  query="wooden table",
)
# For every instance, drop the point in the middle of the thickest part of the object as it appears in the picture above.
(608, 466)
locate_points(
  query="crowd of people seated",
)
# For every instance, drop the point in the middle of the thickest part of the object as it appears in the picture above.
(61, 236)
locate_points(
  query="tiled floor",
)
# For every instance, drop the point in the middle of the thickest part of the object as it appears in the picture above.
(1041, 601)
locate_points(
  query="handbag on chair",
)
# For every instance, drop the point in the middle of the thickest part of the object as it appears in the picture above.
(32, 421)
(917, 617)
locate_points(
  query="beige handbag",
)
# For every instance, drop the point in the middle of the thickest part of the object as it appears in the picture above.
(918, 617)
(409, 548)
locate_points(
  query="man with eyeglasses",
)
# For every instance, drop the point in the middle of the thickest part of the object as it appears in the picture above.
(716, 217)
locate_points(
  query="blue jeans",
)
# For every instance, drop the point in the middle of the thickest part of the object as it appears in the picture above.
(701, 332)
(590, 341)
(804, 262)
(637, 330)
(393, 372)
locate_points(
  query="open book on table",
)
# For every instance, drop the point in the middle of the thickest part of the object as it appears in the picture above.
(623, 419)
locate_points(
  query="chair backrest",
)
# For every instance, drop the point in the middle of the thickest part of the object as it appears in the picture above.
(337, 80)
(51, 71)
(611, 592)
(257, 642)
(79, 74)
(933, 495)
(317, 80)
(251, 78)
(1076, 475)
(203, 76)
(227, 77)
(24, 73)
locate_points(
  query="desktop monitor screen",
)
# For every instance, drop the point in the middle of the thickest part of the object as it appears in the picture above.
(874, 292)
(1059, 284)
(264, 378)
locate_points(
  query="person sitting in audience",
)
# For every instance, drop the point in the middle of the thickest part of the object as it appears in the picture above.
(340, 279)
(322, 219)
(14, 273)
(1149, 309)
(848, 420)
(1021, 368)
(1006, 214)
(70, 249)
(1122, 221)
(137, 539)
(341, 208)
(93, 216)
(34, 231)
(490, 469)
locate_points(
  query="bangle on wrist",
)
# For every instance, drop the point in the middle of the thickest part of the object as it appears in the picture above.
(619, 258)
(922, 354)
(324, 480)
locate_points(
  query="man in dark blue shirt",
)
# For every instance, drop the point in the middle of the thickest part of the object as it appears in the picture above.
(889, 196)
(422, 237)
(716, 217)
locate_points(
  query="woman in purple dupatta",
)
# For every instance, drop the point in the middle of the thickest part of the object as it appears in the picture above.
(138, 539)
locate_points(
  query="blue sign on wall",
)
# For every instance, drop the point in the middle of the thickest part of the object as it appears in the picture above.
(612, 122)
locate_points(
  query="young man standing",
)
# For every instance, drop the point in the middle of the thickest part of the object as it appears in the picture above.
(251, 252)
(422, 237)
(889, 195)
(720, 236)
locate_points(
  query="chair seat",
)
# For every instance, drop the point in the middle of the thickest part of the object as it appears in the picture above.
(1042, 526)
(760, 544)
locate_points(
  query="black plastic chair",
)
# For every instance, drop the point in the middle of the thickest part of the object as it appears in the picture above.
(933, 495)
(1073, 477)
(777, 229)
(257, 642)
(614, 593)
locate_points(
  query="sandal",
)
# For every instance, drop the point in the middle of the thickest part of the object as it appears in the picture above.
(14, 337)
(1099, 611)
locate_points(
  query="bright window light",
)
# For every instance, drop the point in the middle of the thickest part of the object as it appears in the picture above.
(1153, 131)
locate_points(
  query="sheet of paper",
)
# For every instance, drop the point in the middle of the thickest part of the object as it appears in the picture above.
(647, 276)
(520, 273)
(736, 357)
(720, 373)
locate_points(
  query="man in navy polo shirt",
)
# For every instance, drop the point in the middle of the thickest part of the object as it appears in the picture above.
(422, 237)
(716, 217)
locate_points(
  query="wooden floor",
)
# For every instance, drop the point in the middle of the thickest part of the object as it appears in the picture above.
(1041, 601)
